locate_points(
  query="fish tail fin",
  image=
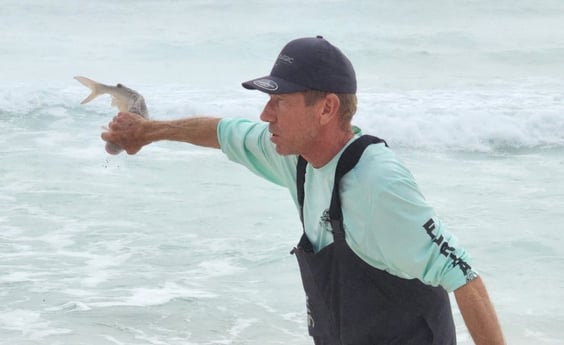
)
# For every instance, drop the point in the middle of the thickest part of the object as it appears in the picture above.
(92, 85)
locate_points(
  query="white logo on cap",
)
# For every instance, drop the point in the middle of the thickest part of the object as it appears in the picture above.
(286, 59)
(266, 84)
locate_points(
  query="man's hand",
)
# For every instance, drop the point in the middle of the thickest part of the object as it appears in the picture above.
(127, 130)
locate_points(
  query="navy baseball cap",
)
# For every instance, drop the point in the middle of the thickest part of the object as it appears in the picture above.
(310, 63)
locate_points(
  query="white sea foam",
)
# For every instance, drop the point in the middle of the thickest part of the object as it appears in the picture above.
(70, 307)
(30, 324)
(153, 296)
(468, 120)
(17, 277)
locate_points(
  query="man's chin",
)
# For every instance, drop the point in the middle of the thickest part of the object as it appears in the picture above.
(283, 151)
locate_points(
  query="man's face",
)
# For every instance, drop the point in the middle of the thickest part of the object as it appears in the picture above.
(293, 125)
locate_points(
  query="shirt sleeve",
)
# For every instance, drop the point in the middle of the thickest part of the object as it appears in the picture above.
(420, 244)
(248, 143)
(405, 236)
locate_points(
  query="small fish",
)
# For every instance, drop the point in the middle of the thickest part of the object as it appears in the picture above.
(124, 98)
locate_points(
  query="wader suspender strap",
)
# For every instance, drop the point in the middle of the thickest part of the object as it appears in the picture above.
(300, 180)
(348, 160)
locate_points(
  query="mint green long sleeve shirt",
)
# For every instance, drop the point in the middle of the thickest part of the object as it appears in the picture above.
(387, 221)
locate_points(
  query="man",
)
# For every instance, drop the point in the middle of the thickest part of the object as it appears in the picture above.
(376, 262)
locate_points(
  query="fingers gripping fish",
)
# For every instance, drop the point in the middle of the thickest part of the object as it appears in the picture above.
(124, 98)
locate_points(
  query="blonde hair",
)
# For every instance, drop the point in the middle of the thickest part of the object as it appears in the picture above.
(347, 107)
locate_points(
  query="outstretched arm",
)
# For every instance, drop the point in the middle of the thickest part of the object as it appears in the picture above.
(132, 132)
(478, 313)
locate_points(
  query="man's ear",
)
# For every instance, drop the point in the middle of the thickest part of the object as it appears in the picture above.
(330, 110)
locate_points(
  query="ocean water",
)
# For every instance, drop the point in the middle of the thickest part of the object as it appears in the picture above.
(177, 245)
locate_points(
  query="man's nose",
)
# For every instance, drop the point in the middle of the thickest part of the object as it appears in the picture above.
(267, 114)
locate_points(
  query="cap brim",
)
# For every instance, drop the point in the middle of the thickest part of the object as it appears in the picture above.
(273, 85)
